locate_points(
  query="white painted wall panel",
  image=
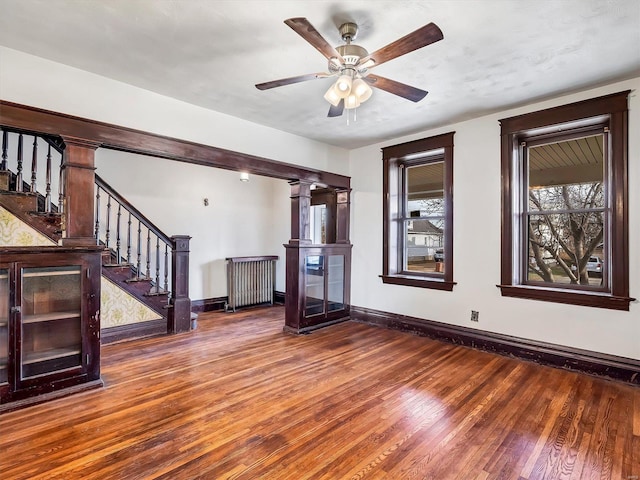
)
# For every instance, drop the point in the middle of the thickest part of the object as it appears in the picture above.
(477, 244)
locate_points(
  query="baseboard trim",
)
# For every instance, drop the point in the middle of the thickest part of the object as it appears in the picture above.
(45, 397)
(311, 328)
(130, 331)
(593, 363)
(278, 297)
(208, 304)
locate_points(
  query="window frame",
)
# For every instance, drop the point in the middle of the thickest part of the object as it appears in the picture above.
(395, 158)
(609, 111)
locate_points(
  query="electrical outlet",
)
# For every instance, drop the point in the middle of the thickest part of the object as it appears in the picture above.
(474, 316)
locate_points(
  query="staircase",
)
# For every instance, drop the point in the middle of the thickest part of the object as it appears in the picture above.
(138, 257)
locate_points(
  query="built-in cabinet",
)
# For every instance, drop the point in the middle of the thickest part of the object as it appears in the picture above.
(321, 284)
(49, 322)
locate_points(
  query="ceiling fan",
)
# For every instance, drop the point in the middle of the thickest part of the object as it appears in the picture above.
(351, 64)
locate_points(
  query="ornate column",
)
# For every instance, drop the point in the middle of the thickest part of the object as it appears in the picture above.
(78, 166)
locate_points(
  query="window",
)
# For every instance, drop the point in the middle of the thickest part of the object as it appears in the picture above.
(564, 236)
(418, 213)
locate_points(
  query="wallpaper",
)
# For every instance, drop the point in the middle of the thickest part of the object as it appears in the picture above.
(15, 232)
(117, 307)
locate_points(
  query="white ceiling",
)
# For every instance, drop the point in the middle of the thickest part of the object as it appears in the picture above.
(495, 54)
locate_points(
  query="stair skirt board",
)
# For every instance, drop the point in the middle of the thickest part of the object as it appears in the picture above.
(119, 308)
(131, 331)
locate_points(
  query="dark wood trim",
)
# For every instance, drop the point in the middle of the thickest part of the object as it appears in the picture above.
(125, 139)
(300, 213)
(569, 358)
(422, 145)
(53, 249)
(311, 328)
(130, 331)
(278, 297)
(605, 105)
(179, 318)
(78, 162)
(421, 282)
(571, 297)
(613, 110)
(343, 216)
(45, 397)
(392, 158)
(209, 304)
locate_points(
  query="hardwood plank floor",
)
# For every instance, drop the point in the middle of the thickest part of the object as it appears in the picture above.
(240, 399)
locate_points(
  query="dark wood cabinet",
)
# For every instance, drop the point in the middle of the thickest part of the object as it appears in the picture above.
(321, 285)
(49, 322)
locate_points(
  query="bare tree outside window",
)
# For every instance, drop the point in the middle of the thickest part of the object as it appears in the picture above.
(566, 210)
(564, 222)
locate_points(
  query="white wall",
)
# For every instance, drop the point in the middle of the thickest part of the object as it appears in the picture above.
(477, 244)
(41, 83)
(240, 219)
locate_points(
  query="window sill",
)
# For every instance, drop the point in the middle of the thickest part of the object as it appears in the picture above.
(587, 299)
(422, 282)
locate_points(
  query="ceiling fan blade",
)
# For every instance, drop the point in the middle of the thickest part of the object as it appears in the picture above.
(401, 89)
(307, 31)
(290, 80)
(336, 111)
(422, 37)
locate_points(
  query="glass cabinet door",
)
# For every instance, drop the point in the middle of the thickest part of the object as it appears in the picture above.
(335, 283)
(314, 285)
(51, 330)
(4, 325)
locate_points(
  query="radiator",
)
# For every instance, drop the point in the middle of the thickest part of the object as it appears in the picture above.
(250, 281)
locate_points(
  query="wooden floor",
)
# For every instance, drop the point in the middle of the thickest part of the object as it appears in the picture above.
(240, 399)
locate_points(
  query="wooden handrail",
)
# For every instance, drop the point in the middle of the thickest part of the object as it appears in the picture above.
(136, 213)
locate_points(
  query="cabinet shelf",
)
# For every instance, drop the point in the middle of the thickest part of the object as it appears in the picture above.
(47, 355)
(50, 316)
(3, 323)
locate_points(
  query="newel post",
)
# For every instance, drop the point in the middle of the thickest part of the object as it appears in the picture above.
(78, 170)
(179, 318)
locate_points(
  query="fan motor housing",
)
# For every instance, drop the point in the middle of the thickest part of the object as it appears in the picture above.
(352, 53)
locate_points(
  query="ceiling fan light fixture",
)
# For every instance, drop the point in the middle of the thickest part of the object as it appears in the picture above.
(332, 96)
(352, 101)
(361, 89)
(343, 85)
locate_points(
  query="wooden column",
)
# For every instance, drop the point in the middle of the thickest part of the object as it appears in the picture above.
(78, 168)
(300, 213)
(343, 207)
(179, 318)
(300, 235)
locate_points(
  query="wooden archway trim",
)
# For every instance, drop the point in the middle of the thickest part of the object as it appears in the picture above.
(114, 137)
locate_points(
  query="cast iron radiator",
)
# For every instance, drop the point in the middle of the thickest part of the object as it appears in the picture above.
(250, 280)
